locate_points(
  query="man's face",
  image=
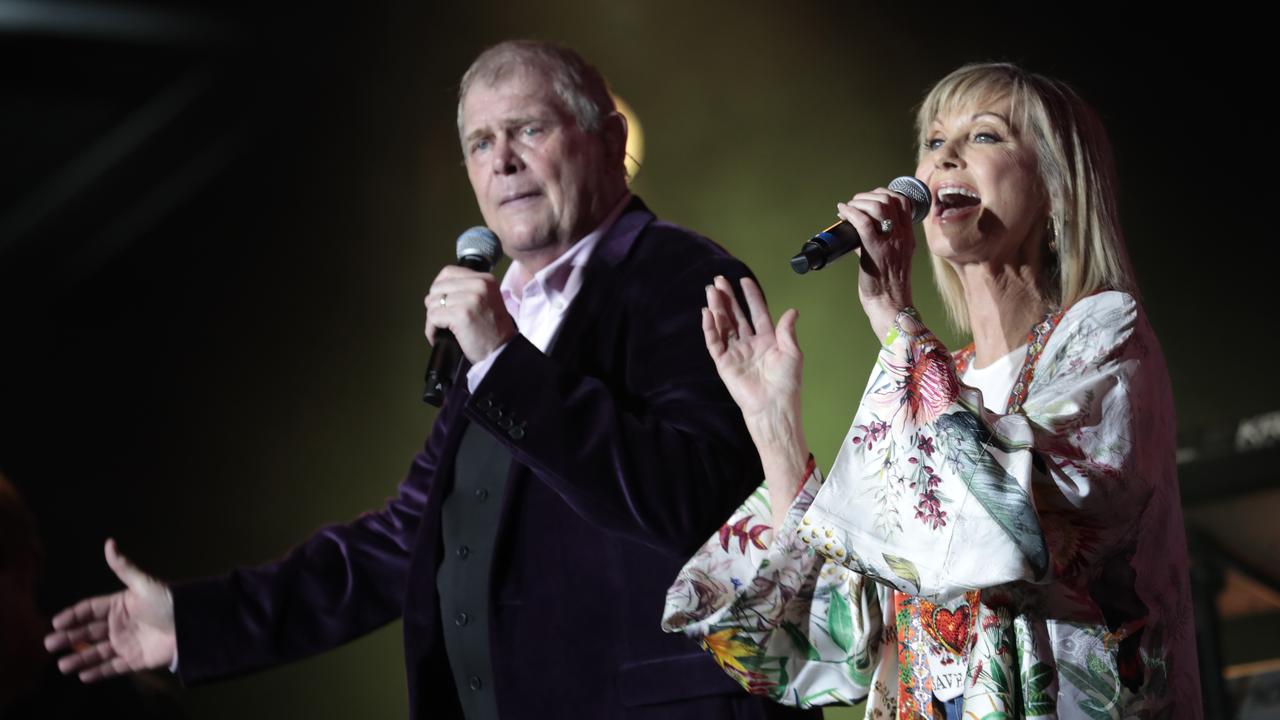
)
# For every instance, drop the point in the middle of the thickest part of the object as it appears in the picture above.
(537, 176)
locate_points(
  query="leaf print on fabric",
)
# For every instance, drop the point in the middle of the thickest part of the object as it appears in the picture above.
(839, 621)
(744, 533)
(904, 569)
(744, 661)
(800, 639)
(728, 650)
(997, 491)
(998, 679)
(1101, 693)
(702, 592)
(1035, 686)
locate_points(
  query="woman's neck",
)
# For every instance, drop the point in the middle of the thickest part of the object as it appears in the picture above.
(1004, 302)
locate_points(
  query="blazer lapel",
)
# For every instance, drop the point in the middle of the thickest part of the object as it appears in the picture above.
(602, 269)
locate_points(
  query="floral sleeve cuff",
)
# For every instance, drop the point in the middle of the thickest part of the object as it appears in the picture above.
(789, 532)
(741, 560)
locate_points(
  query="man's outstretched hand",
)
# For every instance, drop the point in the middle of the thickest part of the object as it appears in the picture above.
(114, 634)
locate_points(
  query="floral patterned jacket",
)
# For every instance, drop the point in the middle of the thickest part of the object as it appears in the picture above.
(1044, 546)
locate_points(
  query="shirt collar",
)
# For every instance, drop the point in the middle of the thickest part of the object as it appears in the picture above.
(562, 278)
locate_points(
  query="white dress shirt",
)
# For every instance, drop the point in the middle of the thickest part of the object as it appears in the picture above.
(538, 303)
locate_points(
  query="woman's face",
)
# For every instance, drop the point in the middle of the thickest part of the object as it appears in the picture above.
(988, 202)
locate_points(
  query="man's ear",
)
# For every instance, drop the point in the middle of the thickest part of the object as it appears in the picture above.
(614, 132)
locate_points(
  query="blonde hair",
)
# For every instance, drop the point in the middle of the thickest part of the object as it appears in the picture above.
(1076, 170)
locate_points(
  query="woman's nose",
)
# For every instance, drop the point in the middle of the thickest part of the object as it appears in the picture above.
(948, 156)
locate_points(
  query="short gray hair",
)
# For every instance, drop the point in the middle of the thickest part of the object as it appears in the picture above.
(576, 82)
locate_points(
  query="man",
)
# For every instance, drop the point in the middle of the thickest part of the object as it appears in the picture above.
(585, 453)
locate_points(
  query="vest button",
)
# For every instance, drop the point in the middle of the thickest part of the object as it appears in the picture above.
(460, 619)
(482, 494)
(475, 683)
(463, 551)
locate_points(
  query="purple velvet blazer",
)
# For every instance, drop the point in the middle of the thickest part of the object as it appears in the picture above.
(629, 453)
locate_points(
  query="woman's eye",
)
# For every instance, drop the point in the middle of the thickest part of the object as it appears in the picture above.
(933, 143)
(986, 137)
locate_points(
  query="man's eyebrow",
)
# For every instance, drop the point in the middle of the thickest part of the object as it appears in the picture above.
(506, 124)
(524, 120)
(478, 132)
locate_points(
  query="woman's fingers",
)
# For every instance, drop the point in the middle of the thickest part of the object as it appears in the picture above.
(786, 331)
(711, 333)
(721, 316)
(866, 225)
(877, 206)
(731, 300)
(760, 318)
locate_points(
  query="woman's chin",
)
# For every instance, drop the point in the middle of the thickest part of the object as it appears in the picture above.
(953, 244)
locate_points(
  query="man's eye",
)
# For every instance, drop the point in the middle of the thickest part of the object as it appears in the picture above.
(480, 146)
(531, 130)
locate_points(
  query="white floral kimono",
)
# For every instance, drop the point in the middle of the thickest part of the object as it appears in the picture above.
(1042, 550)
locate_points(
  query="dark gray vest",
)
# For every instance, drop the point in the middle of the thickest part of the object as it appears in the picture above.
(469, 527)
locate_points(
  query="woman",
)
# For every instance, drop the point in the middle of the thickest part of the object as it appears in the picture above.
(1000, 534)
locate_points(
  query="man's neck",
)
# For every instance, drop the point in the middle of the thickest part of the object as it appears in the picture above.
(534, 261)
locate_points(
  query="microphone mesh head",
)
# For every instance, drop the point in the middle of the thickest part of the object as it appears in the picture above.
(915, 191)
(480, 241)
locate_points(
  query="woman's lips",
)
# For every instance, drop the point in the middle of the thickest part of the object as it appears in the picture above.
(955, 201)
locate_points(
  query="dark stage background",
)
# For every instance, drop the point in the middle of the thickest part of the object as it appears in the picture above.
(216, 227)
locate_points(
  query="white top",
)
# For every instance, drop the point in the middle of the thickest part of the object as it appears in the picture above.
(539, 302)
(996, 380)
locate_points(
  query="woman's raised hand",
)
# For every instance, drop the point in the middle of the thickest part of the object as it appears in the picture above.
(761, 365)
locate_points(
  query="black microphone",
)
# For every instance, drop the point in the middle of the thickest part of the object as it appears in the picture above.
(841, 237)
(479, 250)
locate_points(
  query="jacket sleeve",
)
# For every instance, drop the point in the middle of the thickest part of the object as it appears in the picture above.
(342, 582)
(648, 446)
